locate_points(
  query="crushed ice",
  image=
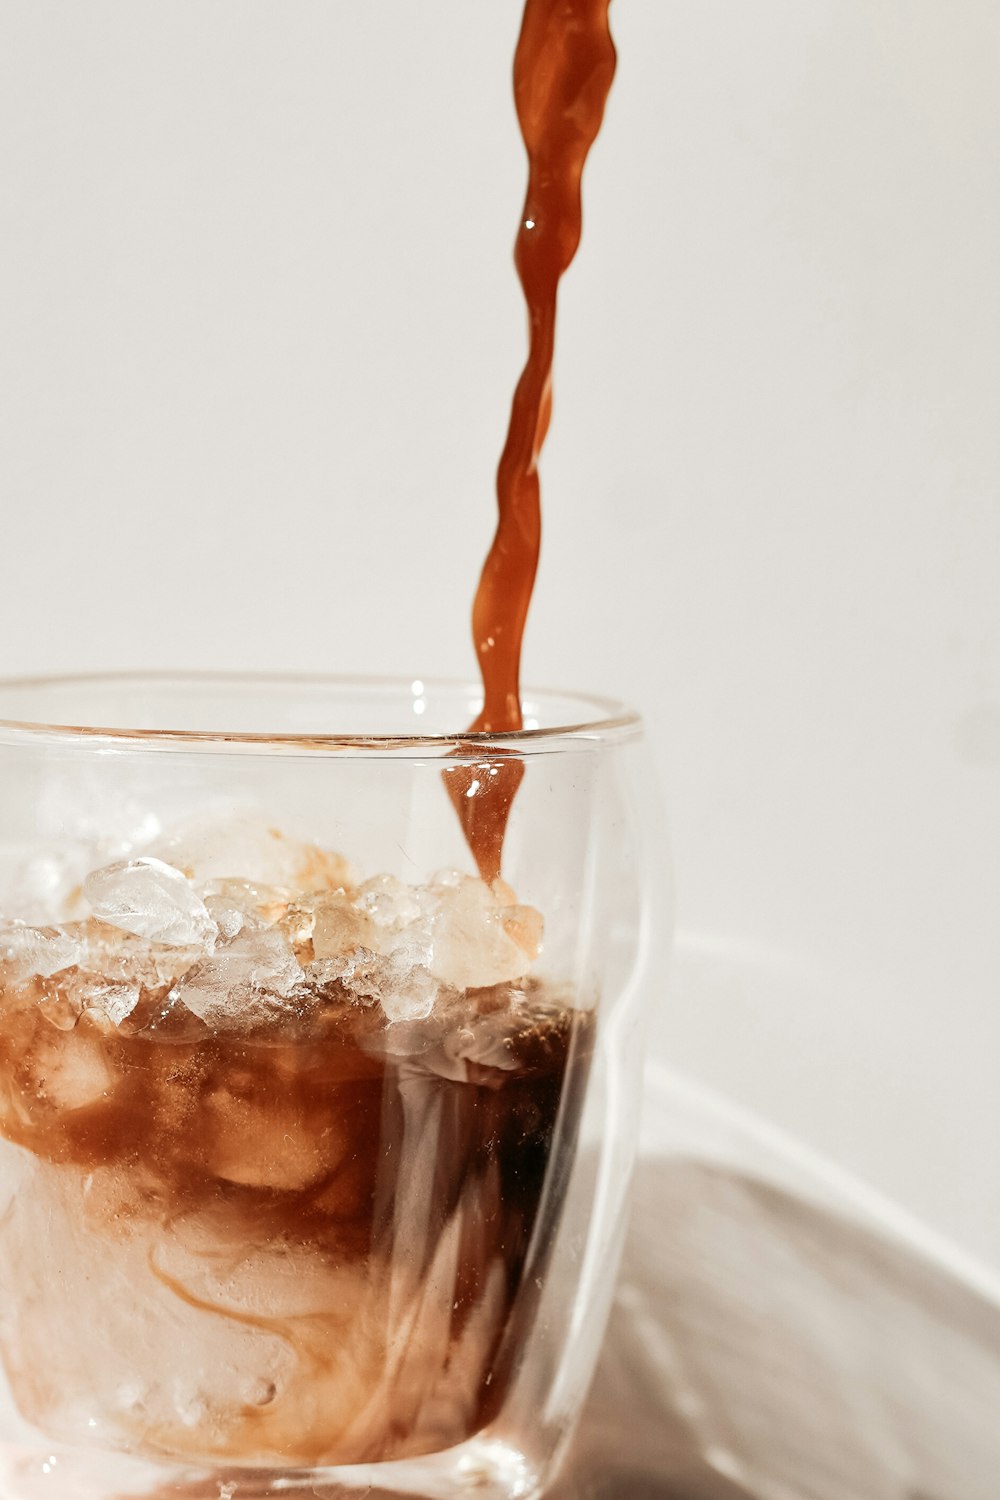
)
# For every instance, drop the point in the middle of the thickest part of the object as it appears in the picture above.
(28, 951)
(238, 923)
(230, 984)
(152, 900)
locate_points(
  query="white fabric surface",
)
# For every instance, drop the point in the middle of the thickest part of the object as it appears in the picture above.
(780, 1333)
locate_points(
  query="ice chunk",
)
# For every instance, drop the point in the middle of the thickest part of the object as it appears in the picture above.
(340, 927)
(389, 902)
(229, 917)
(526, 927)
(401, 934)
(114, 954)
(151, 899)
(238, 904)
(244, 847)
(115, 1002)
(242, 982)
(69, 1070)
(522, 923)
(27, 952)
(267, 1144)
(297, 925)
(107, 1003)
(359, 972)
(406, 991)
(476, 937)
(113, 972)
(379, 946)
(400, 944)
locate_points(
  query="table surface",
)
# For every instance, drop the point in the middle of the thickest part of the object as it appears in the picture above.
(773, 1341)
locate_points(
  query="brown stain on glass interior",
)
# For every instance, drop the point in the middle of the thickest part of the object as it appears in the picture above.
(563, 69)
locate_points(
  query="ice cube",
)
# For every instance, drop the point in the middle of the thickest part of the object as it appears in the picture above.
(69, 1070)
(151, 899)
(112, 972)
(473, 947)
(297, 924)
(229, 918)
(340, 927)
(243, 982)
(389, 902)
(408, 992)
(401, 932)
(525, 926)
(236, 904)
(114, 954)
(359, 971)
(456, 933)
(26, 952)
(60, 1009)
(270, 1143)
(410, 947)
(115, 1002)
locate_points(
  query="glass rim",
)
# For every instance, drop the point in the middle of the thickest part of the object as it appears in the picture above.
(602, 719)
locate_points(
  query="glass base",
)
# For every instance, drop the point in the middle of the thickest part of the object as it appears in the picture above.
(481, 1469)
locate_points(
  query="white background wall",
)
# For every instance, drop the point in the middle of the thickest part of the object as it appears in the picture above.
(258, 331)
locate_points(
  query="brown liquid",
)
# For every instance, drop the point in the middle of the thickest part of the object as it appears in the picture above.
(305, 1245)
(563, 70)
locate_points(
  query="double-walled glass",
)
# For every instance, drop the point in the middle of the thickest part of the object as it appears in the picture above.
(313, 1146)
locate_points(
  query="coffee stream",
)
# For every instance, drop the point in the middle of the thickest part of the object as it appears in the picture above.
(563, 69)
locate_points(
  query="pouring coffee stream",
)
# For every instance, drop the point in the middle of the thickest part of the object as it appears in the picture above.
(563, 69)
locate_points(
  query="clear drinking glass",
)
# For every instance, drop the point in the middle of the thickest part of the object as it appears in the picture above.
(314, 1149)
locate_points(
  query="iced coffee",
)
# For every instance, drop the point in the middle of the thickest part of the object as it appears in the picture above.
(288, 1145)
